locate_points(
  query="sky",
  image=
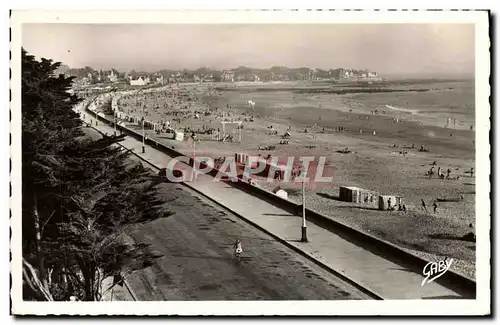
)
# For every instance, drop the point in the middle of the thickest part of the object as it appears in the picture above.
(391, 49)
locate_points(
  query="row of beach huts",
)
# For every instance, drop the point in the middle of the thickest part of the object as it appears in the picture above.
(359, 195)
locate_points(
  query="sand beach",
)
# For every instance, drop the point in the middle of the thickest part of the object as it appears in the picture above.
(383, 127)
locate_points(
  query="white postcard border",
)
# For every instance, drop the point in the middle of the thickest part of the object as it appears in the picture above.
(480, 306)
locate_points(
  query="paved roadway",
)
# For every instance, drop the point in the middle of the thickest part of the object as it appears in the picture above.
(197, 263)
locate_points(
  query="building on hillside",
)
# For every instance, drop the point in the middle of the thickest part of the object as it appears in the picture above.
(208, 78)
(140, 81)
(228, 76)
(252, 77)
(159, 79)
(111, 75)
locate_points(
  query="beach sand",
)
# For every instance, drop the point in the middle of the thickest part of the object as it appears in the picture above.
(374, 164)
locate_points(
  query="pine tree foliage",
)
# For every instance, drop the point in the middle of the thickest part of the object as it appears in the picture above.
(79, 195)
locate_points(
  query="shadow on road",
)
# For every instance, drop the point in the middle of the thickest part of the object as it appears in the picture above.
(404, 270)
(204, 257)
(446, 236)
(443, 297)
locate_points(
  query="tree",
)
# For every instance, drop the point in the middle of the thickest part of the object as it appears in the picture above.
(79, 195)
(43, 96)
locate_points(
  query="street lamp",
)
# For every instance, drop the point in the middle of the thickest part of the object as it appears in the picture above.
(143, 135)
(304, 226)
(142, 122)
(114, 112)
(193, 138)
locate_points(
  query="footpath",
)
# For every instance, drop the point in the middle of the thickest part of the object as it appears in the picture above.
(387, 279)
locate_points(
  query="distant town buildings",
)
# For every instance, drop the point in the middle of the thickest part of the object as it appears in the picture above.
(112, 77)
(228, 76)
(88, 76)
(139, 81)
(159, 79)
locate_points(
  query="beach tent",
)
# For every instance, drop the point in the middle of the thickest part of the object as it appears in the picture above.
(281, 193)
(383, 201)
(241, 158)
(350, 194)
(179, 136)
(356, 194)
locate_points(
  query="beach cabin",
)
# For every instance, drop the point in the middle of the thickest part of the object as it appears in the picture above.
(356, 195)
(281, 193)
(179, 136)
(383, 202)
(241, 158)
(350, 194)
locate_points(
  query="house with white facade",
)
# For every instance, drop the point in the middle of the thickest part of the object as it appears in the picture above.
(140, 81)
(228, 76)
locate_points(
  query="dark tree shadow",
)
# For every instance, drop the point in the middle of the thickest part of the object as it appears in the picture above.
(446, 236)
(279, 215)
(443, 297)
(404, 270)
(467, 192)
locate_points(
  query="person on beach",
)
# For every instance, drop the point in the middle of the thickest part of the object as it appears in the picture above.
(435, 206)
(472, 172)
(238, 249)
(424, 207)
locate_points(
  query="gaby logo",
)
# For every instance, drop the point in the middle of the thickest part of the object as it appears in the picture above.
(434, 270)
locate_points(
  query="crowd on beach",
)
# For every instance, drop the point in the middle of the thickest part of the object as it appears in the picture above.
(168, 110)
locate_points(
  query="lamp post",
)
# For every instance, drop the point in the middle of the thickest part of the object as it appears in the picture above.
(143, 135)
(239, 127)
(193, 177)
(304, 226)
(194, 149)
(114, 112)
(142, 122)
